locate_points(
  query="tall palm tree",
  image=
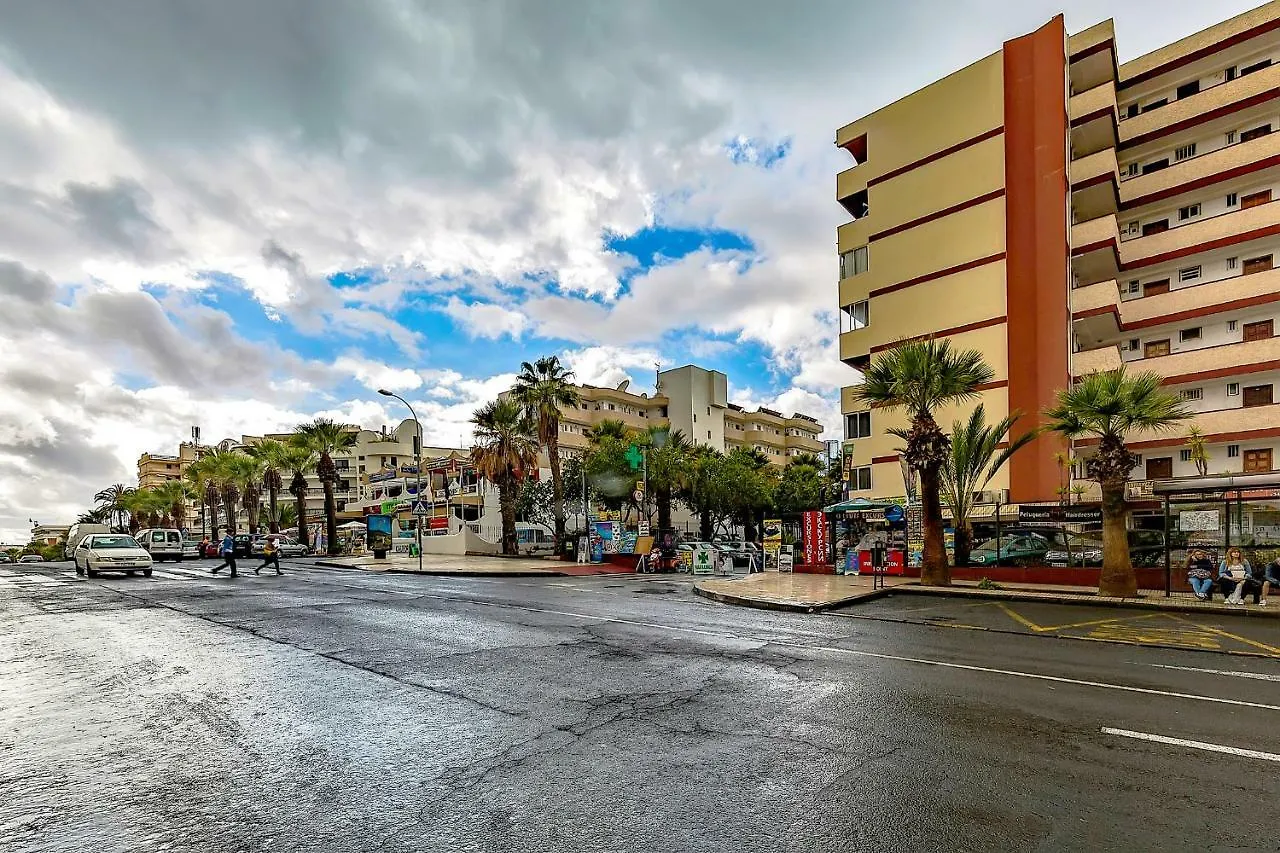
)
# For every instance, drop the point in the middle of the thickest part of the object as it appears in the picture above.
(246, 470)
(289, 517)
(220, 468)
(920, 377)
(94, 516)
(974, 459)
(543, 388)
(112, 500)
(609, 428)
(1107, 406)
(668, 462)
(274, 458)
(146, 508)
(173, 495)
(206, 489)
(300, 461)
(506, 446)
(325, 437)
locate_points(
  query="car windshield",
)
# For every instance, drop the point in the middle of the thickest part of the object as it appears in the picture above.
(99, 542)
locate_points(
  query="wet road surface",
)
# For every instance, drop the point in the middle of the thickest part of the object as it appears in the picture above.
(341, 710)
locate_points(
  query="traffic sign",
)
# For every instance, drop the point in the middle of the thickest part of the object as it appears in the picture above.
(420, 508)
(638, 494)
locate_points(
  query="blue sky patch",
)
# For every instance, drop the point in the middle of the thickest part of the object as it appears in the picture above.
(751, 151)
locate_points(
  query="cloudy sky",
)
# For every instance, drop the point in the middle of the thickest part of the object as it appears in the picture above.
(243, 213)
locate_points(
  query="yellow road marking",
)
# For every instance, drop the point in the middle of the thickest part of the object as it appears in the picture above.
(1269, 649)
(1025, 622)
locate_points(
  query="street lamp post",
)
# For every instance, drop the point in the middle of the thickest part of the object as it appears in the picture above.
(417, 468)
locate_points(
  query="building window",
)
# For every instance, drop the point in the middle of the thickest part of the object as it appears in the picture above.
(857, 425)
(1233, 451)
(1192, 334)
(1134, 344)
(1231, 136)
(1232, 262)
(1190, 394)
(1134, 288)
(1189, 273)
(1185, 152)
(1132, 170)
(860, 479)
(1231, 325)
(1184, 455)
(1137, 459)
(1233, 199)
(1191, 211)
(854, 262)
(1233, 389)
(708, 435)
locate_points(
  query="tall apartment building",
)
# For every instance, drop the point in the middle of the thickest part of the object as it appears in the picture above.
(1063, 214)
(696, 402)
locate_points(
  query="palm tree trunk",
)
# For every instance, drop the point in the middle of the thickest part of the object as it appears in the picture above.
(330, 518)
(229, 507)
(507, 503)
(662, 497)
(1118, 579)
(705, 530)
(557, 493)
(934, 570)
(300, 504)
(274, 521)
(964, 542)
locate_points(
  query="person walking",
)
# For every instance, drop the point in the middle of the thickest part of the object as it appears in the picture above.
(228, 552)
(270, 555)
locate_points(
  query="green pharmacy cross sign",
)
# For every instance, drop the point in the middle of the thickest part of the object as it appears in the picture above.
(634, 457)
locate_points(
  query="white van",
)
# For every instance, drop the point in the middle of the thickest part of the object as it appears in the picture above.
(534, 539)
(162, 543)
(76, 534)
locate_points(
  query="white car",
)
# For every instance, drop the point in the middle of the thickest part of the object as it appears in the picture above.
(111, 552)
(31, 558)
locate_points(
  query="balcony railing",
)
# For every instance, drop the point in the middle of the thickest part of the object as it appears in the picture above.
(1096, 360)
(1210, 163)
(1201, 103)
(1149, 249)
(1197, 296)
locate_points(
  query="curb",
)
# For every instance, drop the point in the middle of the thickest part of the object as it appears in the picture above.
(1095, 601)
(785, 607)
(522, 573)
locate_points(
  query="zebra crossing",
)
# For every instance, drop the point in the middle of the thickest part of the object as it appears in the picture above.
(13, 578)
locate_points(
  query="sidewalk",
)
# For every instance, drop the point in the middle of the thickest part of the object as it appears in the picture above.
(801, 593)
(814, 593)
(473, 566)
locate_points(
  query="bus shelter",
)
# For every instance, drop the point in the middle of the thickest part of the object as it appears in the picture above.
(1216, 514)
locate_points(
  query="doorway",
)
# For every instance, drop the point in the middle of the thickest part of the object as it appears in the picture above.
(1257, 461)
(1162, 468)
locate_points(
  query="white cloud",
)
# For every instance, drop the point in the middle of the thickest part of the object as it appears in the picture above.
(607, 366)
(375, 375)
(485, 320)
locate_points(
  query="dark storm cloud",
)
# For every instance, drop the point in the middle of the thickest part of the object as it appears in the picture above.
(116, 216)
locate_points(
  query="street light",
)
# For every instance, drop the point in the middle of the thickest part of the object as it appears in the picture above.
(417, 468)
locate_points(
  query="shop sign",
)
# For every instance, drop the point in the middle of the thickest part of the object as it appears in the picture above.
(1055, 515)
(814, 529)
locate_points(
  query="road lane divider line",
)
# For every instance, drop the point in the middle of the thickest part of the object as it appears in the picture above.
(1259, 676)
(964, 667)
(1194, 744)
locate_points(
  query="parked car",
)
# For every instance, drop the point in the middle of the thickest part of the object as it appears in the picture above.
(740, 552)
(191, 549)
(162, 543)
(31, 558)
(76, 533)
(1146, 549)
(1017, 550)
(535, 539)
(111, 552)
(244, 545)
(5, 558)
(288, 547)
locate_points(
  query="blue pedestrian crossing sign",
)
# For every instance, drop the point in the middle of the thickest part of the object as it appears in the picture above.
(420, 508)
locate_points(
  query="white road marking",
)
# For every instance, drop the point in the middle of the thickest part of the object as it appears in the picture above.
(1233, 673)
(1102, 685)
(1194, 744)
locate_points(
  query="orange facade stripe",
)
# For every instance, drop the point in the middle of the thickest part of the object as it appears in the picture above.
(1201, 118)
(1195, 313)
(1200, 183)
(1201, 53)
(1036, 118)
(1220, 372)
(936, 215)
(937, 155)
(942, 333)
(1101, 46)
(1207, 246)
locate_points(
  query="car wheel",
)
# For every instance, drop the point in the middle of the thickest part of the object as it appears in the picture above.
(130, 573)
(88, 569)
(146, 573)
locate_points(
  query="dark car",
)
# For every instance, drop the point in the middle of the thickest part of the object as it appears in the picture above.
(1021, 549)
(1146, 549)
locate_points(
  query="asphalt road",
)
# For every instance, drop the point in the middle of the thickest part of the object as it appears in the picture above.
(338, 710)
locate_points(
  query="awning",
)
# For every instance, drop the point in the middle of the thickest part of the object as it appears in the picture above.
(859, 505)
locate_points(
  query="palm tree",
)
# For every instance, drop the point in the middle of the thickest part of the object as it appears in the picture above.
(145, 508)
(703, 487)
(301, 461)
(1108, 406)
(668, 466)
(173, 495)
(94, 516)
(325, 437)
(506, 446)
(920, 377)
(289, 518)
(274, 458)
(112, 499)
(246, 470)
(203, 487)
(609, 428)
(220, 469)
(1199, 450)
(975, 458)
(543, 388)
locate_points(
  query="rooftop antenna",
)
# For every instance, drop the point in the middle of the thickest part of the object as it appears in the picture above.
(657, 378)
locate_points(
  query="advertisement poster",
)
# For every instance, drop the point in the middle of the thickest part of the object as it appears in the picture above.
(814, 528)
(915, 535)
(703, 561)
(378, 534)
(597, 544)
(1199, 520)
(627, 544)
(604, 540)
(772, 541)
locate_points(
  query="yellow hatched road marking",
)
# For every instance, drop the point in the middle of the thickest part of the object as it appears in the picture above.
(1027, 623)
(1269, 649)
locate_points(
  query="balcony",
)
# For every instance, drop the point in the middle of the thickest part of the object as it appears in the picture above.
(1093, 120)
(1217, 423)
(853, 234)
(1095, 311)
(1167, 119)
(1188, 301)
(1165, 183)
(1222, 360)
(1093, 57)
(1186, 239)
(1094, 182)
(1095, 360)
(855, 346)
(850, 183)
(1094, 250)
(848, 400)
